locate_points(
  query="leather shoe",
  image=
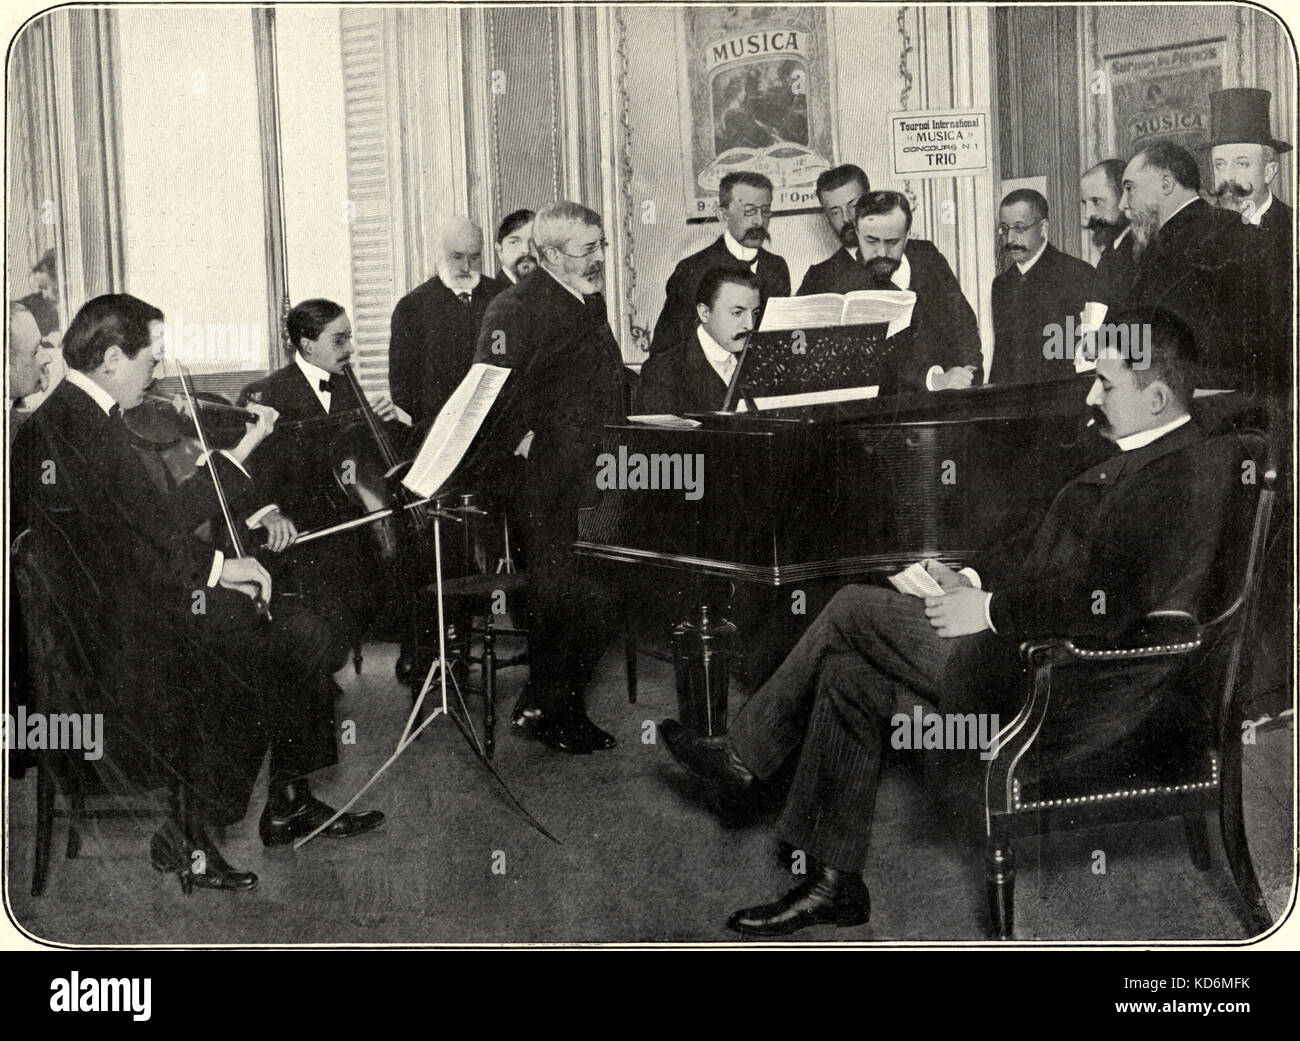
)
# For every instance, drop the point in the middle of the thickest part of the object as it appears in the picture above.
(827, 895)
(558, 731)
(171, 852)
(711, 759)
(310, 814)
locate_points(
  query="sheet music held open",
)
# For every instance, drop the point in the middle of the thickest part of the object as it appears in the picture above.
(892, 307)
(454, 430)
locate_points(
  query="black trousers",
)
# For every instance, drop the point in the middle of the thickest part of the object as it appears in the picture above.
(572, 612)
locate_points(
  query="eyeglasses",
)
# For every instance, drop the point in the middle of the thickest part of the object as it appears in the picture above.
(1019, 229)
(587, 251)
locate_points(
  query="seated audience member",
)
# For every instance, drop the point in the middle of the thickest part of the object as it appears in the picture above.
(694, 375)
(1144, 526)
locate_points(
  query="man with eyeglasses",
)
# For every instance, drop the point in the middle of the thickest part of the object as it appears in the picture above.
(568, 380)
(744, 210)
(1035, 298)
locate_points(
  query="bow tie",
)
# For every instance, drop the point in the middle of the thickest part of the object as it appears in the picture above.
(327, 386)
(465, 298)
(115, 412)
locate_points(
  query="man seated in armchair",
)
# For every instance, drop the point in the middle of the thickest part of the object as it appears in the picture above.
(1135, 534)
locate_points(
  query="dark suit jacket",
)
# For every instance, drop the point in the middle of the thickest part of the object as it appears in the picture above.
(944, 330)
(1275, 225)
(432, 344)
(175, 681)
(1205, 267)
(568, 377)
(680, 380)
(1143, 527)
(679, 316)
(1056, 287)
(835, 274)
(1116, 268)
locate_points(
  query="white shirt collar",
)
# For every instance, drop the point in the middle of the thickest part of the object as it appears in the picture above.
(98, 394)
(314, 373)
(746, 253)
(1144, 438)
(903, 276)
(581, 299)
(1255, 217)
(1121, 236)
(722, 360)
(851, 251)
(510, 275)
(1026, 265)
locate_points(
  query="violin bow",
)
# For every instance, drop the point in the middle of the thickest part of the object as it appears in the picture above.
(236, 545)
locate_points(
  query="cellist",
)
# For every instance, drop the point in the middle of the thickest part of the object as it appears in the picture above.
(193, 685)
(321, 473)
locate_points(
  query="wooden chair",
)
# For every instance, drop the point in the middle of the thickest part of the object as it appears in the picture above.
(1055, 769)
(59, 680)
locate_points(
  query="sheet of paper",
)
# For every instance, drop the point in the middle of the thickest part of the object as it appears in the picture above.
(452, 432)
(802, 312)
(665, 421)
(817, 397)
(914, 580)
(892, 307)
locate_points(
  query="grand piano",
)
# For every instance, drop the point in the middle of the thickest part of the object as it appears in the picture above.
(847, 489)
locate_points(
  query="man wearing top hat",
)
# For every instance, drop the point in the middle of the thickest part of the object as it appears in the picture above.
(1244, 156)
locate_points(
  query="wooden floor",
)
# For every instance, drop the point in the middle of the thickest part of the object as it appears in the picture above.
(639, 859)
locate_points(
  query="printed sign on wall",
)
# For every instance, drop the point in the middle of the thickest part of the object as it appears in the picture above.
(939, 143)
(758, 82)
(1163, 93)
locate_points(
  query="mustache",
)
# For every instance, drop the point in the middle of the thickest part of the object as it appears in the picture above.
(1232, 188)
(761, 234)
(1100, 224)
(848, 235)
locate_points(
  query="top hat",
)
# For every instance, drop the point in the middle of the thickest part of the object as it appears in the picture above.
(1239, 115)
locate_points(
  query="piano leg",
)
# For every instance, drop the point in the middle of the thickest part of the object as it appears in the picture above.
(702, 651)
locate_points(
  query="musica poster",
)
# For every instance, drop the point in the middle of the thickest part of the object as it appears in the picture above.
(1162, 93)
(758, 97)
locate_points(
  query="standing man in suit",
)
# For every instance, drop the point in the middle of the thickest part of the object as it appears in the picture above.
(694, 375)
(1200, 264)
(568, 380)
(941, 349)
(1244, 154)
(515, 248)
(435, 326)
(745, 210)
(1143, 526)
(1100, 189)
(1037, 293)
(193, 685)
(840, 191)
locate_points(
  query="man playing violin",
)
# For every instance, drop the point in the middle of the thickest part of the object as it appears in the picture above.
(192, 684)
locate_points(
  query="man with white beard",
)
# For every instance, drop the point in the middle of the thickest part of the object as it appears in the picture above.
(435, 326)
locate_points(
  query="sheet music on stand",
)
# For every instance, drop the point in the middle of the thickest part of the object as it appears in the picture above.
(452, 433)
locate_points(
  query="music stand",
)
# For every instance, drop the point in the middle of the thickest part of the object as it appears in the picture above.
(810, 362)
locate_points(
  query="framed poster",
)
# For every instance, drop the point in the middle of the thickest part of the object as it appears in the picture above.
(757, 93)
(1163, 92)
